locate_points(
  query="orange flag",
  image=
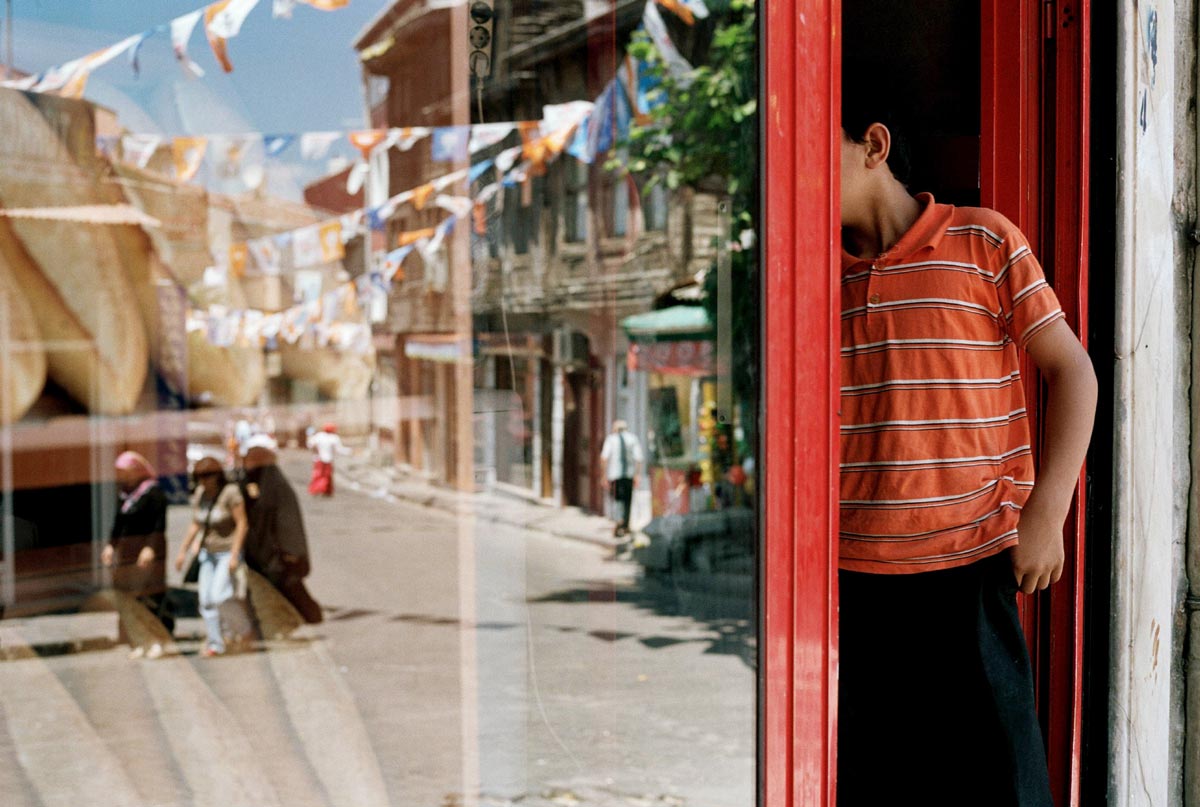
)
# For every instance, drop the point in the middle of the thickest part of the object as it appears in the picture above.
(413, 236)
(327, 5)
(367, 140)
(420, 196)
(238, 255)
(188, 154)
(218, 44)
(679, 9)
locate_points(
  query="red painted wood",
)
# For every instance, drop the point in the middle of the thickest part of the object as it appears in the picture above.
(801, 127)
(1067, 178)
(1034, 170)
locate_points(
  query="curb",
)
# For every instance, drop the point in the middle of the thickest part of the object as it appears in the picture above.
(532, 516)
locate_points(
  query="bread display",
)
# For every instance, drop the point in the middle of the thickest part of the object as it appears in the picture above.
(76, 282)
(22, 357)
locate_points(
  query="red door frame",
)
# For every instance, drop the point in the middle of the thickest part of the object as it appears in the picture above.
(1019, 168)
(801, 137)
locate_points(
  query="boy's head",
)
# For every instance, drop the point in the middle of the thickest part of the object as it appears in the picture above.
(874, 150)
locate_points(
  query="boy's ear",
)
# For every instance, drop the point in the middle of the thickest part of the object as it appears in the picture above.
(878, 141)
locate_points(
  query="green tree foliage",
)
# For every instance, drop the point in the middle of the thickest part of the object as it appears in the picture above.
(703, 133)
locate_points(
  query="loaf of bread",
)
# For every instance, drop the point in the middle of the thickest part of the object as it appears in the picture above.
(22, 357)
(79, 289)
(224, 376)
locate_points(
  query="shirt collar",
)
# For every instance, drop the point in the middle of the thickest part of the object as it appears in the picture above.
(925, 233)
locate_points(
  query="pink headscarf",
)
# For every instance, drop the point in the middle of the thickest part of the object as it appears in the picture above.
(133, 461)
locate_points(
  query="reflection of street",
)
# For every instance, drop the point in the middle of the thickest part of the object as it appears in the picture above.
(537, 667)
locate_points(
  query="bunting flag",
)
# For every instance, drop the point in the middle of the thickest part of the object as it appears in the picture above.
(181, 32)
(330, 235)
(484, 135)
(507, 158)
(326, 5)
(282, 9)
(188, 153)
(656, 27)
(237, 159)
(226, 21)
(413, 236)
(422, 194)
(479, 169)
(315, 145)
(460, 206)
(681, 9)
(136, 49)
(366, 141)
(306, 246)
(139, 148)
(274, 145)
(409, 136)
(393, 263)
(610, 119)
(266, 255)
(451, 143)
(356, 177)
(238, 257)
(220, 18)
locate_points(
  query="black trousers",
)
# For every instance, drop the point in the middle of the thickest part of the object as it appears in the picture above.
(935, 694)
(622, 491)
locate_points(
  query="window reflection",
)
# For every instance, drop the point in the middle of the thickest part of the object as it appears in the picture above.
(369, 436)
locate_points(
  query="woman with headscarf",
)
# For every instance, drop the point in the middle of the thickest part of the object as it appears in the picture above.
(137, 547)
(325, 445)
(218, 530)
(276, 544)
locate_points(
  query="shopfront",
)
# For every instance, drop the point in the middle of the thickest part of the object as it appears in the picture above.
(555, 217)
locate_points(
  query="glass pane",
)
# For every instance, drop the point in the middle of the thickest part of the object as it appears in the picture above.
(380, 402)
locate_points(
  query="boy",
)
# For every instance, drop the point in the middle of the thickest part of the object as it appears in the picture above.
(941, 522)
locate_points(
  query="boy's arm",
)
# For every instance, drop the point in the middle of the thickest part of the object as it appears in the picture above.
(1070, 408)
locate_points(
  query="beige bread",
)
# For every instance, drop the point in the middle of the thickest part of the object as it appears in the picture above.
(83, 299)
(341, 375)
(224, 376)
(22, 357)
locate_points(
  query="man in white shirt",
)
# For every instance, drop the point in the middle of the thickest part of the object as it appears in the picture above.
(622, 456)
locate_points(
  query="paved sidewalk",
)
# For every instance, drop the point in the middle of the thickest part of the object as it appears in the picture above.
(360, 474)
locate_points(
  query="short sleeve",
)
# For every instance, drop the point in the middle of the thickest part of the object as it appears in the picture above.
(1027, 302)
(231, 497)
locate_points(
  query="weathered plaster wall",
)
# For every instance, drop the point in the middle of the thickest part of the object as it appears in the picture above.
(1151, 410)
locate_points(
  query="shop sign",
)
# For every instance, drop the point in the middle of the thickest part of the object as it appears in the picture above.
(690, 357)
(447, 350)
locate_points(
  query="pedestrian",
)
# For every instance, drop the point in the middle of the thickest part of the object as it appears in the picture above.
(622, 458)
(942, 518)
(325, 445)
(218, 531)
(276, 543)
(137, 546)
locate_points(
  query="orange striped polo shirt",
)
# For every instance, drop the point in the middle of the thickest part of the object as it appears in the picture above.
(936, 461)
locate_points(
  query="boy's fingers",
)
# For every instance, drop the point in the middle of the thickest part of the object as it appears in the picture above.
(1058, 570)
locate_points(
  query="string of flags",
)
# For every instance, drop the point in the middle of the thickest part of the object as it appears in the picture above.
(223, 21)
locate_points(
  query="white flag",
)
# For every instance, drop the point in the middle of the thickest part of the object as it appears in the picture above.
(506, 159)
(265, 254)
(282, 9)
(315, 145)
(306, 246)
(181, 32)
(405, 139)
(139, 148)
(657, 28)
(488, 134)
(227, 22)
(356, 177)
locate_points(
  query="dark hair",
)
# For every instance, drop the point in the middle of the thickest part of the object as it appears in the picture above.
(864, 103)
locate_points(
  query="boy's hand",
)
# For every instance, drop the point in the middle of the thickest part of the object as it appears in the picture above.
(1038, 559)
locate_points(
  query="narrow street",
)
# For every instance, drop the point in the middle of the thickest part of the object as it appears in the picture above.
(452, 651)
